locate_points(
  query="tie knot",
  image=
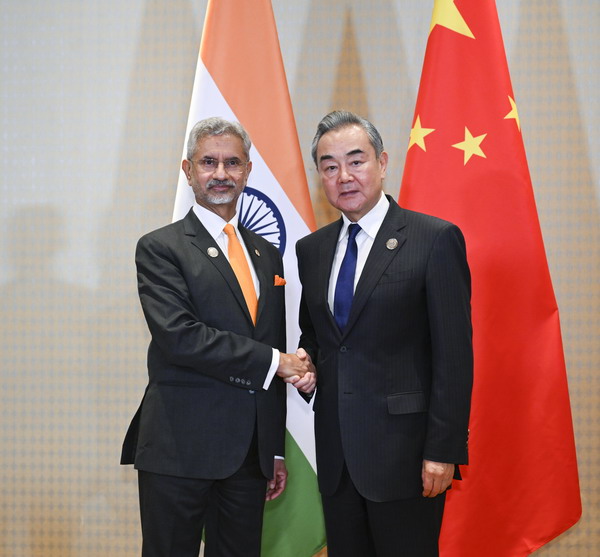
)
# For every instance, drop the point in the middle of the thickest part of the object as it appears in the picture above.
(229, 230)
(353, 230)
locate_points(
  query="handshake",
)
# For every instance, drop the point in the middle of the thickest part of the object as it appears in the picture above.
(298, 370)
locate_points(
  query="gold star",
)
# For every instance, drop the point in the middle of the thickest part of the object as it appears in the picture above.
(514, 112)
(471, 145)
(446, 14)
(418, 134)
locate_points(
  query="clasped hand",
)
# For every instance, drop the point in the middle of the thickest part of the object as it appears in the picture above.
(298, 370)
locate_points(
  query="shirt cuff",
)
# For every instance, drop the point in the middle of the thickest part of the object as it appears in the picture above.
(272, 369)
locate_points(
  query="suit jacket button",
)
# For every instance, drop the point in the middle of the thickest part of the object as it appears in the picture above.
(237, 379)
(248, 382)
(231, 379)
(243, 381)
(343, 349)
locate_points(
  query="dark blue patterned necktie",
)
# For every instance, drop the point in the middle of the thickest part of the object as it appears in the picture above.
(344, 288)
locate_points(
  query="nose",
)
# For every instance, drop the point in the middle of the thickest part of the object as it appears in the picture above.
(220, 173)
(345, 174)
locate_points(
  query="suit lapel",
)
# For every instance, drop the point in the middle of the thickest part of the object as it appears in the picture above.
(327, 248)
(202, 240)
(380, 256)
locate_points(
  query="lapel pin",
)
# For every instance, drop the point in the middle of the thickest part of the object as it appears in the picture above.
(257, 252)
(392, 243)
(213, 252)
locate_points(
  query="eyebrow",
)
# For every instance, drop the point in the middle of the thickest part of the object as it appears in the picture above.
(234, 158)
(348, 154)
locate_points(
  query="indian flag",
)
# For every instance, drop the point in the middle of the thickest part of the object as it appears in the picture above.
(240, 76)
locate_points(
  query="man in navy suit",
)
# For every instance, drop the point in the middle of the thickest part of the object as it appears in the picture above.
(385, 316)
(208, 438)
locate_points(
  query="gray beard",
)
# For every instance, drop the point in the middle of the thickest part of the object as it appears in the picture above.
(220, 198)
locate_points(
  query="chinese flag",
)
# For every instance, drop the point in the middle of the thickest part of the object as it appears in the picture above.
(466, 163)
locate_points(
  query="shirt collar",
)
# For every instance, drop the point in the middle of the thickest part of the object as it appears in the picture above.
(213, 223)
(371, 222)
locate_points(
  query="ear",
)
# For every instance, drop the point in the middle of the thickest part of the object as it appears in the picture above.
(187, 169)
(383, 161)
(248, 169)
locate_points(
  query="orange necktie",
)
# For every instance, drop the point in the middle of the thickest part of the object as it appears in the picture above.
(239, 264)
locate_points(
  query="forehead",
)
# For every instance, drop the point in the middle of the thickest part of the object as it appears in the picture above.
(226, 145)
(344, 142)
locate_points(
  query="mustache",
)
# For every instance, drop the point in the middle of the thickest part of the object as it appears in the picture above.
(212, 183)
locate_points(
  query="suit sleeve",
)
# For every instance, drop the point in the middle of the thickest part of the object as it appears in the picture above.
(181, 337)
(308, 337)
(448, 287)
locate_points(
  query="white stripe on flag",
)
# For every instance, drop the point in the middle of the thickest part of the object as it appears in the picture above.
(208, 101)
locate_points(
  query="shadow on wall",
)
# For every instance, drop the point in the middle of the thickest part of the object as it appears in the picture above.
(150, 155)
(73, 361)
(49, 432)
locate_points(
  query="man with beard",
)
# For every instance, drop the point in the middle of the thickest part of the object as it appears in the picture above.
(208, 439)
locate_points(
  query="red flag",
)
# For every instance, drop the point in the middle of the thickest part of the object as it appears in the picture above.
(466, 163)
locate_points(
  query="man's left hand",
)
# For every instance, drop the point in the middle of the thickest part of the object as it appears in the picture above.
(276, 486)
(437, 477)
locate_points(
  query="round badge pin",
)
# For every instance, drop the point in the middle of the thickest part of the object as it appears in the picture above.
(392, 243)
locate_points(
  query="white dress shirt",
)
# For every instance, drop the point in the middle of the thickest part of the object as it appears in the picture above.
(214, 224)
(370, 225)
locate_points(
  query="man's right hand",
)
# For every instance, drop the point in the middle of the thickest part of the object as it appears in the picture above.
(307, 383)
(292, 367)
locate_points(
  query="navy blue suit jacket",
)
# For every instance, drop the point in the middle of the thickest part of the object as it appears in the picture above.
(394, 388)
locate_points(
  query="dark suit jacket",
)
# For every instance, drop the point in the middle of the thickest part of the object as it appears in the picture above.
(207, 362)
(395, 387)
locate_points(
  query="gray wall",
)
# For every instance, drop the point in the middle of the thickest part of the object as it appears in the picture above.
(94, 103)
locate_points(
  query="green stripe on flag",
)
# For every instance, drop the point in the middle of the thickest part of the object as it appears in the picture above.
(293, 523)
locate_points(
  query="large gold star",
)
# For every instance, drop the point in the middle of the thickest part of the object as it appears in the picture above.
(418, 133)
(446, 14)
(471, 145)
(514, 112)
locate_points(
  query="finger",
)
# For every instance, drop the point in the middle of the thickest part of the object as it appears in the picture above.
(304, 381)
(428, 485)
(300, 384)
(276, 490)
(293, 379)
(446, 484)
(438, 487)
(270, 488)
(311, 386)
(274, 494)
(307, 383)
